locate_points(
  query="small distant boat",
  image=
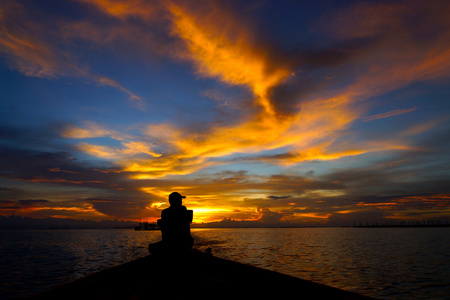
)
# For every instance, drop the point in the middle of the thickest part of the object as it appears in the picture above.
(146, 226)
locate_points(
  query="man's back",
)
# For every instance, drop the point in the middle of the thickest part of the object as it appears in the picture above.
(175, 225)
(175, 229)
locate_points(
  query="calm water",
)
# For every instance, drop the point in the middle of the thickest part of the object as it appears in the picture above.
(387, 263)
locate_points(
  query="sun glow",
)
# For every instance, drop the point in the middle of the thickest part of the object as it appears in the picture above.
(208, 214)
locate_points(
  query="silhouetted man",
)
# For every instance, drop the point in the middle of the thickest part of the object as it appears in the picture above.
(175, 229)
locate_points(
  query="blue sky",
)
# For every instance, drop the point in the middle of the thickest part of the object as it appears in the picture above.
(266, 111)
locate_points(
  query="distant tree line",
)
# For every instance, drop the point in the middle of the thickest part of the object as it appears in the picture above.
(405, 223)
(18, 222)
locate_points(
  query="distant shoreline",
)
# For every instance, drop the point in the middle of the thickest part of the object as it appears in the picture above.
(401, 226)
(204, 227)
(19, 222)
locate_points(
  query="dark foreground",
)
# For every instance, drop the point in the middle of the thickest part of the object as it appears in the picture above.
(189, 277)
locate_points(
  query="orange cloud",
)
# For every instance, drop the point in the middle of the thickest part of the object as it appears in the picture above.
(225, 50)
(129, 149)
(423, 127)
(193, 152)
(58, 180)
(440, 201)
(40, 208)
(56, 169)
(105, 81)
(99, 151)
(220, 47)
(123, 9)
(388, 114)
(133, 147)
(25, 51)
(92, 130)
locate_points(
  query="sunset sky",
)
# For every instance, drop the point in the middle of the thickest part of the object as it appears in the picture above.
(299, 112)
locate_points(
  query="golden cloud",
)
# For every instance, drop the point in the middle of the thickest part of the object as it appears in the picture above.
(129, 8)
(220, 47)
(413, 203)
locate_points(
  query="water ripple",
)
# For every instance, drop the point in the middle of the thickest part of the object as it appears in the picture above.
(401, 263)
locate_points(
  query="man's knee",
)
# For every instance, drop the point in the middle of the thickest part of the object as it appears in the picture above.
(156, 248)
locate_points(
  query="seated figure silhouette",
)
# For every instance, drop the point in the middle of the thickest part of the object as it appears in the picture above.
(175, 228)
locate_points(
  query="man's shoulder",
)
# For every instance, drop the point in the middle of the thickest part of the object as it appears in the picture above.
(175, 208)
(165, 211)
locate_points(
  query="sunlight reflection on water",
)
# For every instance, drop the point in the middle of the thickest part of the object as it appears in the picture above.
(396, 263)
(389, 263)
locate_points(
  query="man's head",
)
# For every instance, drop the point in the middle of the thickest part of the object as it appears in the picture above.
(176, 199)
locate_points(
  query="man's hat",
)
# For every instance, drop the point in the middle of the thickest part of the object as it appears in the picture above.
(176, 195)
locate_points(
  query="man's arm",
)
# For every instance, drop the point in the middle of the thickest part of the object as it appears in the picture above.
(163, 221)
(189, 215)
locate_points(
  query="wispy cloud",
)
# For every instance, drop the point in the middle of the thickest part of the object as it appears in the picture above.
(27, 51)
(388, 114)
(221, 47)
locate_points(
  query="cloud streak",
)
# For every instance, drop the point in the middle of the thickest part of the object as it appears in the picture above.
(220, 47)
(388, 114)
(229, 53)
